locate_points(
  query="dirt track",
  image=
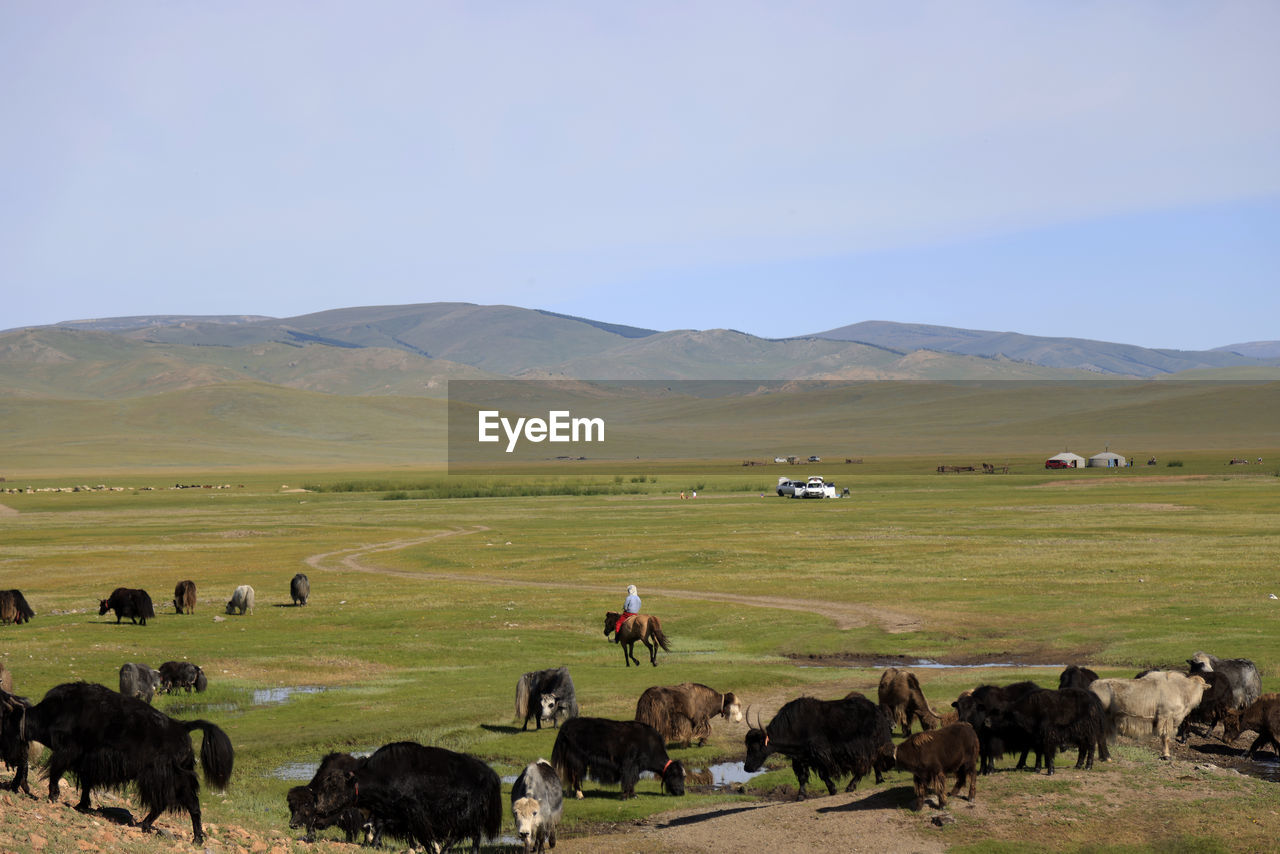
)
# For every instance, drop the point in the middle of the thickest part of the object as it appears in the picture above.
(844, 615)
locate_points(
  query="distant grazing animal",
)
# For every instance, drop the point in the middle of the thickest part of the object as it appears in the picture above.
(184, 597)
(901, 695)
(241, 600)
(300, 589)
(1261, 716)
(1241, 673)
(613, 752)
(679, 712)
(537, 800)
(1076, 677)
(638, 627)
(427, 795)
(831, 737)
(182, 674)
(302, 802)
(128, 602)
(1155, 704)
(14, 608)
(931, 756)
(138, 680)
(1048, 720)
(545, 695)
(107, 740)
(974, 706)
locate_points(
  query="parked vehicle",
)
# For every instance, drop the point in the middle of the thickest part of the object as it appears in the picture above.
(787, 487)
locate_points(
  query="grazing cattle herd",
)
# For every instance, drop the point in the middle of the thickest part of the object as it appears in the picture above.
(438, 798)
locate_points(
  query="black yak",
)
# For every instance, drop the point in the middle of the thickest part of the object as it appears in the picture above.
(108, 740)
(613, 752)
(831, 737)
(300, 589)
(1049, 720)
(302, 802)
(974, 706)
(428, 795)
(128, 602)
(182, 674)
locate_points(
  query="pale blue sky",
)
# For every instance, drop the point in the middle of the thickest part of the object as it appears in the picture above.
(1094, 169)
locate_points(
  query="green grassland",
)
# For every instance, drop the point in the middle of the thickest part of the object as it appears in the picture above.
(426, 611)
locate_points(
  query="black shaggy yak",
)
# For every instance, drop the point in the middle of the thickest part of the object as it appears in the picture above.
(430, 795)
(108, 740)
(833, 737)
(128, 602)
(302, 801)
(613, 752)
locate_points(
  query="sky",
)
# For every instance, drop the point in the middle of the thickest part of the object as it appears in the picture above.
(1105, 170)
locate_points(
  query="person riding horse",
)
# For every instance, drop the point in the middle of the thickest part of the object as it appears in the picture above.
(630, 607)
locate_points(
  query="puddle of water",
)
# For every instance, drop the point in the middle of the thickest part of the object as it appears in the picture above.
(724, 775)
(1267, 770)
(267, 696)
(292, 772)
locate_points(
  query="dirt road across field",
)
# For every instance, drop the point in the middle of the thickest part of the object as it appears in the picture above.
(845, 615)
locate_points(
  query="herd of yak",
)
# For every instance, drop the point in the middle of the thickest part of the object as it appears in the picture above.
(438, 798)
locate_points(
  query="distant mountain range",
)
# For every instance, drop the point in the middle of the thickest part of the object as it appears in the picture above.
(413, 349)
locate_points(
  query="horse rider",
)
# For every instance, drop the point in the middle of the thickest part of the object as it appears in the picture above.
(630, 608)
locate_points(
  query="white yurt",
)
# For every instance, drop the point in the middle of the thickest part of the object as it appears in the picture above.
(1107, 459)
(1074, 461)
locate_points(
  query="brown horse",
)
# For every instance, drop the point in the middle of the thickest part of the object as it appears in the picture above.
(639, 627)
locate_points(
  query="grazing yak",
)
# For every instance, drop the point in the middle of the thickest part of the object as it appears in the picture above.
(1076, 677)
(613, 752)
(302, 802)
(1155, 704)
(1261, 716)
(184, 597)
(300, 589)
(545, 695)
(1241, 673)
(973, 707)
(1047, 720)
(537, 800)
(128, 602)
(182, 674)
(931, 756)
(140, 681)
(428, 795)
(241, 600)
(14, 608)
(832, 737)
(108, 740)
(679, 712)
(902, 697)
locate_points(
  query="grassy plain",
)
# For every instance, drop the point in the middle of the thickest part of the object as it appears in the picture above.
(426, 611)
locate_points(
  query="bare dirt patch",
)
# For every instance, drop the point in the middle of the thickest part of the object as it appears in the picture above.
(7, 511)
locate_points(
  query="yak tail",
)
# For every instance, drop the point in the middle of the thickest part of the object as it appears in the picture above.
(202, 682)
(20, 605)
(216, 754)
(522, 696)
(658, 635)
